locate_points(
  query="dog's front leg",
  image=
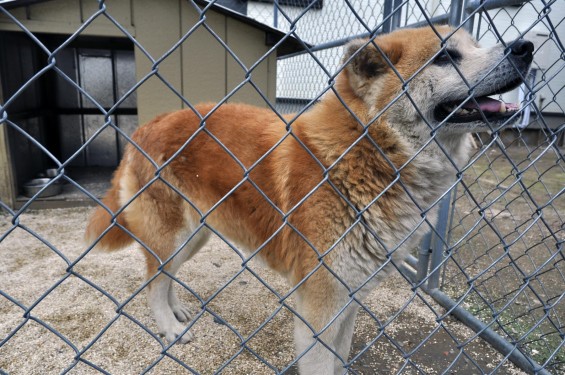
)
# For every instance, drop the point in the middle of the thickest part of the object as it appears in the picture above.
(344, 337)
(323, 348)
(316, 358)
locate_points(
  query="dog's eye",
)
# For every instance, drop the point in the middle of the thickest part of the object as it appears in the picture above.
(446, 57)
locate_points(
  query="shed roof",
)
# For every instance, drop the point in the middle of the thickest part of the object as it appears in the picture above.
(273, 36)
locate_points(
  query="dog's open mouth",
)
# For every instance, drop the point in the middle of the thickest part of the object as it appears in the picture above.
(478, 109)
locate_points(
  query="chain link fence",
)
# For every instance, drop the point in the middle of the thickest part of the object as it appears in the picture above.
(484, 293)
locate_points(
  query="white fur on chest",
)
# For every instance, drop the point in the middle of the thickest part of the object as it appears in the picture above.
(367, 252)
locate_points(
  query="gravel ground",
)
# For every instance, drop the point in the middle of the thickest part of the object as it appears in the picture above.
(34, 277)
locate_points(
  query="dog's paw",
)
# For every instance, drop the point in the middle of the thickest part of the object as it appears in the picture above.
(175, 331)
(182, 313)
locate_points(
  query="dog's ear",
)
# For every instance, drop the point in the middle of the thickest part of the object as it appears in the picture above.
(367, 61)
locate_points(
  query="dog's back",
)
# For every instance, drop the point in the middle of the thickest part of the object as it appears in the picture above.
(225, 172)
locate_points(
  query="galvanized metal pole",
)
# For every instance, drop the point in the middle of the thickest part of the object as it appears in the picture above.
(276, 13)
(391, 15)
(488, 334)
(490, 4)
(424, 257)
(456, 12)
(439, 241)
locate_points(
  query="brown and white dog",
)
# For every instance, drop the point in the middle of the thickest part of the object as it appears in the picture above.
(332, 204)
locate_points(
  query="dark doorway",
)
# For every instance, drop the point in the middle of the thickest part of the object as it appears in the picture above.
(60, 119)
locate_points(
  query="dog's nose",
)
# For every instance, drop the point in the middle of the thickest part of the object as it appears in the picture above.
(523, 49)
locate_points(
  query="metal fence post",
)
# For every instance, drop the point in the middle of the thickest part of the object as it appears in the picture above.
(424, 257)
(459, 11)
(438, 241)
(276, 13)
(391, 14)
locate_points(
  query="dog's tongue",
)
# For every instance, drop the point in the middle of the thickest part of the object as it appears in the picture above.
(486, 104)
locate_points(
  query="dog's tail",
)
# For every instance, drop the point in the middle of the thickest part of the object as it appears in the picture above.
(115, 238)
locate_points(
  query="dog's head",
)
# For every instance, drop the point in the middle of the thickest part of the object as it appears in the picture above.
(439, 75)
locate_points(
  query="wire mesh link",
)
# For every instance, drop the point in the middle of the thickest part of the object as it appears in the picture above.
(498, 254)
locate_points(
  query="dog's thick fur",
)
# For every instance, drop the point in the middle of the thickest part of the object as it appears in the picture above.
(387, 165)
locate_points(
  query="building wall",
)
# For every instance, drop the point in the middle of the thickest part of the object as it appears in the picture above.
(67, 16)
(201, 69)
(23, 156)
(197, 69)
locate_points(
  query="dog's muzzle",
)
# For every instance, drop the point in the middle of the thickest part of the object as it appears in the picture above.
(505, 77)
(523, 51)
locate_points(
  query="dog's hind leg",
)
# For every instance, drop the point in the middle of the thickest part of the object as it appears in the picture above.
(167, 309)
(182, 313)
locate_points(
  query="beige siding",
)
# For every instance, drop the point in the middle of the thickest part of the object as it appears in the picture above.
(51, 11)
(209, 70)
(204, 66)
(272, 78)
(120, 10)
(248, 44)
(64, 17)
(200, 69)
(158, 29)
